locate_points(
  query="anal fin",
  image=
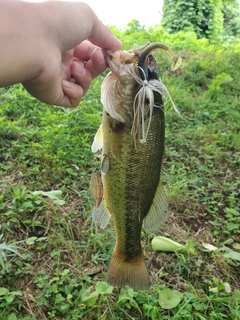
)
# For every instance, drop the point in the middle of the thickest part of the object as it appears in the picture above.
(101, 214)
(158, 212)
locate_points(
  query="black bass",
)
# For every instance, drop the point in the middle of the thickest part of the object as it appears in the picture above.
(131, 138)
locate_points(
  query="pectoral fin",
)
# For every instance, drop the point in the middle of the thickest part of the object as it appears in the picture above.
(158, 212)
(98, 140)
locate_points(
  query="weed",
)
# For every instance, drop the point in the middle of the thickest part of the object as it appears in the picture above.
(53, 258)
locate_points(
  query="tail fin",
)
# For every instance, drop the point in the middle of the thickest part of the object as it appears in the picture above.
(132, 273)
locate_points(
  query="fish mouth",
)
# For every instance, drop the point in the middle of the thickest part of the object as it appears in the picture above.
(142, 63)
(109, 55)
(112, 59)
(116, 60)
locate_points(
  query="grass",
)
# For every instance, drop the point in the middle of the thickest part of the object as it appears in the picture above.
(53, 259)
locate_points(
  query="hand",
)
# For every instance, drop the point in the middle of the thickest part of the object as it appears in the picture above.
(59, 63)
(68, 74)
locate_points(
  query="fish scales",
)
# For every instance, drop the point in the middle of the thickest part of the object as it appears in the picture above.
(132, 140)
(132, 182)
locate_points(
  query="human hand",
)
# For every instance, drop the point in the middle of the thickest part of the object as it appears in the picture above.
(67, 74)
(53, 61)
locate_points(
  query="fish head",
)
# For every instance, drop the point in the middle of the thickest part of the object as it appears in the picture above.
(116, 60)
(132, 89)
(119, 87)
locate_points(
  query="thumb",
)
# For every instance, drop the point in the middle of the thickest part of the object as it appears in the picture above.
(102, 37)
(84, 25)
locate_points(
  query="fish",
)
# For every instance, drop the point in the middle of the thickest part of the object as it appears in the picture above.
(127, 186)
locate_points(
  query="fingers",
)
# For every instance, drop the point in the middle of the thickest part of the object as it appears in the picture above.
(88, 64)
(77, 86)
(97, 64)
(73, 94)
(85, 50)
(83, 77)
(93, 57)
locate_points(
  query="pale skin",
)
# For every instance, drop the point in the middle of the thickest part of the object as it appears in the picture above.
(44, 47)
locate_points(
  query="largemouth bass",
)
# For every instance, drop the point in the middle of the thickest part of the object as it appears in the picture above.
(131, 138)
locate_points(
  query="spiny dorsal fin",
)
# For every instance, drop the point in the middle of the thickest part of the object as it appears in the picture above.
(98, 139)
(158, 212)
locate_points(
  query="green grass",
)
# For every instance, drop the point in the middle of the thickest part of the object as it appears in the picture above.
(53, 259)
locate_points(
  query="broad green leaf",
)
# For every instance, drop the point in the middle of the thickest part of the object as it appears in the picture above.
(103, 288)
(189, 247)
(160, 243)
(165, 244)
(232, 255)
(88, 298)
(30, 241)
(236, 246)
(71, 172)
(3, 291)
(16, 293)
(60, 202)
(12, 317)
(53, 194)
(9, 298)
(236, 294)
(169, 299)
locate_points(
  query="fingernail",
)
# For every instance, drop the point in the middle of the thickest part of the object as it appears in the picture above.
(101, 56)
(80, 69)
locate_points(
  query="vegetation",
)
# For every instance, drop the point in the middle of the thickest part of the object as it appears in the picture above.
(53, 259)
(231, 18)
(208, 18)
